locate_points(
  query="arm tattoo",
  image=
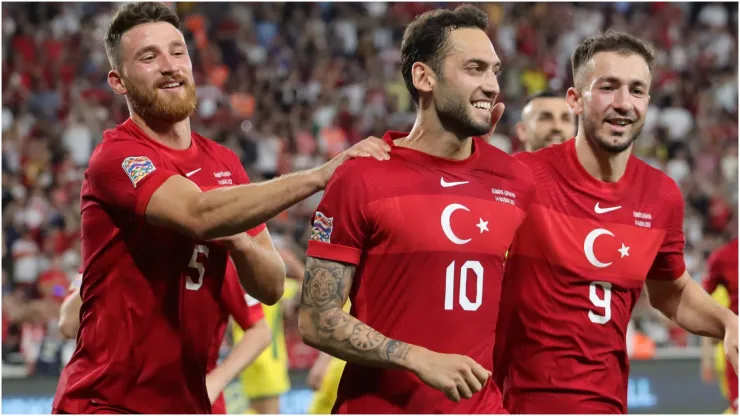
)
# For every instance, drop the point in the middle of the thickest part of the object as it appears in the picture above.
(326, 286)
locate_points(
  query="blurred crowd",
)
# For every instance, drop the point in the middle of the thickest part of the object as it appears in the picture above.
(288, 86)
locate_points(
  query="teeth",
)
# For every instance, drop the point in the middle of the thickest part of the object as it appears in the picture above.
(484, 105)
(171, 85)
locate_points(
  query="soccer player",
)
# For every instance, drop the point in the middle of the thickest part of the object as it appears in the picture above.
(234, 302)
(417, 242)
(162, 210)
(546, 120)
(722, 272)
(603, 224)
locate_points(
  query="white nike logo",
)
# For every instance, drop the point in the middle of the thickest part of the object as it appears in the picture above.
(600, 210)
(446, 184)
(193, 172)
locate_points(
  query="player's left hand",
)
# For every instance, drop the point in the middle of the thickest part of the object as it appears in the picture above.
(730, 344)
(213, 387)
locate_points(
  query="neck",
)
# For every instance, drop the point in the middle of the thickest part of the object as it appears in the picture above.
(602, 165)
(429, 136)
(174, 135)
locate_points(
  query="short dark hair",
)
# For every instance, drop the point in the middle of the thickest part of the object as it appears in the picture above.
(611, 41)
(544, 94)
(426, 38)
(130, 15)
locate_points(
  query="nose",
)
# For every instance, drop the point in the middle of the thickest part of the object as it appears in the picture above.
(622, 100)
(168, 65)
(490, 85)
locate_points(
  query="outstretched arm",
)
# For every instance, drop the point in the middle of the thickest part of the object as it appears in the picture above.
(254, 341)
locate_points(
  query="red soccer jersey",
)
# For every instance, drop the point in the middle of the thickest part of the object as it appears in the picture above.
(428, 236)
(722, 271)
(246, 311)
(150, 296)
(576, 268)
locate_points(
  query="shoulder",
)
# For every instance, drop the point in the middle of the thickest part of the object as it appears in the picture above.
(357, 170)
(507, 165)
(120, 146)
(654, 179)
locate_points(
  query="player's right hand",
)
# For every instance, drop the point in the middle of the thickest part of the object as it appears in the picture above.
(370, 147)
(457, 376)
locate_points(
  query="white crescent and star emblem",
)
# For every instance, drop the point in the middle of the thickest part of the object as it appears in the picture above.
(588, 247)
(447, 228)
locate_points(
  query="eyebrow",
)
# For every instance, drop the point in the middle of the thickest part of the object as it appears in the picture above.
(152, 48)
(615, 80)
(496, 65)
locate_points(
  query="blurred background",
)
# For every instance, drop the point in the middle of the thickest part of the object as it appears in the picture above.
(288, 86)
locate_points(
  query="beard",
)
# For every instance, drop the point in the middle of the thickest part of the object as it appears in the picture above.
(149, 104)
(454, 116)
(591, 128)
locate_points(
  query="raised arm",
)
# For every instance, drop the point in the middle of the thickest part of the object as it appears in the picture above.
(325, 326)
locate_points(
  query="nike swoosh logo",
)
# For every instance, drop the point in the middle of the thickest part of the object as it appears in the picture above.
(193, 172)
(600, 210)
(446, 184)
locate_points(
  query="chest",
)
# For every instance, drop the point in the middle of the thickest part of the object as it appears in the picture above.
(612, 236)
(446, 212)
(207, 173)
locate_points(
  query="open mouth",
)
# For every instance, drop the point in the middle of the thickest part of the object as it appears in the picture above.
(482, 106)
(171, 85)
(619, 124)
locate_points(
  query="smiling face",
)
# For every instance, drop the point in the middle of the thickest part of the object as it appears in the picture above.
(468, 84)
(612, 99)
(546, 121)
(156, 73)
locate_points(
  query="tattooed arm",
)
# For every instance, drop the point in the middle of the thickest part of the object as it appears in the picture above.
(325, 326)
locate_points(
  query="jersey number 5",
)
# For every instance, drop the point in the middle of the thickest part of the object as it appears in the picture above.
(605, 303)
(197, 264)
(462, 298)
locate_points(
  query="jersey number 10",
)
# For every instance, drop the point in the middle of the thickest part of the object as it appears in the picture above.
(463, 298)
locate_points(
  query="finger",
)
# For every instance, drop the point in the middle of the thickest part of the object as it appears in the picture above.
(385, 146)
(374, 150)
(480, 373)
(452, 393)
(377, 149)
(357, 153)
(733, 359)
(497, 112)
(463, 388)
(472, 382)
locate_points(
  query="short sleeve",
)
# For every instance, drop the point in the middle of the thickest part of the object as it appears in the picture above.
(669, 262)
(125, 174)
(340, 225)
(714, 277)
(245, 310)
(241, 178)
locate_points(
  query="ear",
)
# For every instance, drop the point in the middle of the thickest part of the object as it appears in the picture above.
(521, 131)
(575, 101)
(116, 82)
(423, 77)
